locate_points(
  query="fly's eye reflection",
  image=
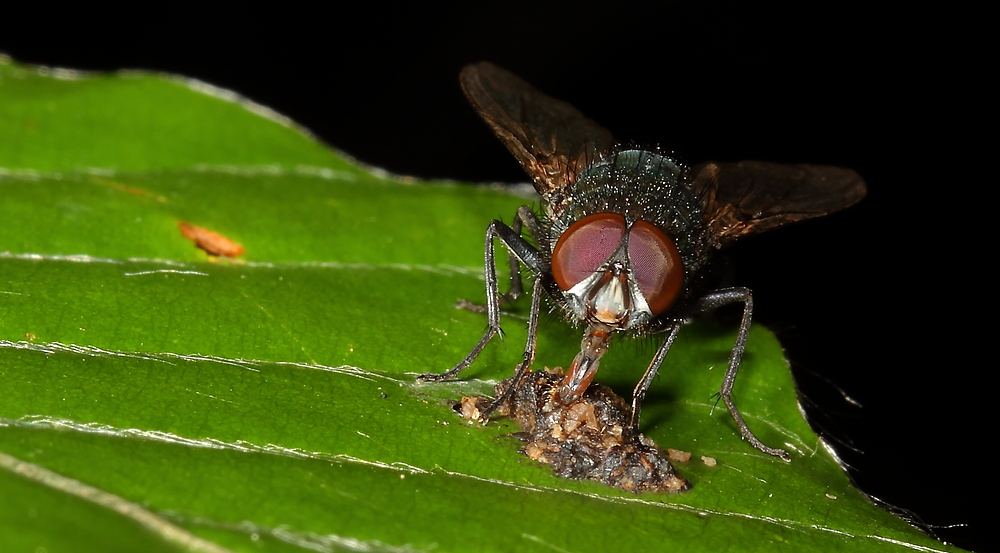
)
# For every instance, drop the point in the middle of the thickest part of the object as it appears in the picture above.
(624, 244)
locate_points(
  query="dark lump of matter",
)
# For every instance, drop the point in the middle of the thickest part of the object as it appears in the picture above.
(584, 439)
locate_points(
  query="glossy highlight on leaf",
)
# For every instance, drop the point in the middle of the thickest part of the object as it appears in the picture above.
(269, 404)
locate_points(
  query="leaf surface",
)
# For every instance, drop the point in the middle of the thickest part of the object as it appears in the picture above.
(156, 398)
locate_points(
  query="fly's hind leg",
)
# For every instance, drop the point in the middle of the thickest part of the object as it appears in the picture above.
(528, 218)
(525, 217)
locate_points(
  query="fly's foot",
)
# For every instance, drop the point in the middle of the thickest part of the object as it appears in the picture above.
(434, 377)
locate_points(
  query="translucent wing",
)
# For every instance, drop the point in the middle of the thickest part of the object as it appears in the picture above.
(551, 139)
(748, 197)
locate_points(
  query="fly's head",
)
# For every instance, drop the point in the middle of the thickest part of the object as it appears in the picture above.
(627, 241)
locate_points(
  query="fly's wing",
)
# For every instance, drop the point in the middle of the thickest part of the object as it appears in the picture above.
(552, 139)
(748, 197)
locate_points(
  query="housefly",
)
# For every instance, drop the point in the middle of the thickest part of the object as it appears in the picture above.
(625, 236)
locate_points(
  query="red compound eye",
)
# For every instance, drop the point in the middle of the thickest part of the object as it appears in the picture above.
(653, 256)
(656, 265)
(587, 244)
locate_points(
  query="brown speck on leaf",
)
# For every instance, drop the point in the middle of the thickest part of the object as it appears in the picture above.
(212, 242)
(30, 336)
(584, 439)
(678, 455)
(709, 461)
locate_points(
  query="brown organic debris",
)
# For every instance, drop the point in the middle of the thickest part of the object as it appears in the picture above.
(678, 455)
(585, 438)
(212, 242)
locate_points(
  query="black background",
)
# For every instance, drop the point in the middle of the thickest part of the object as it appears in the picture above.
(882, 301)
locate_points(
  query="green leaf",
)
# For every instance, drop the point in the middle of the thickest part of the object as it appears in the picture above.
(154, 398)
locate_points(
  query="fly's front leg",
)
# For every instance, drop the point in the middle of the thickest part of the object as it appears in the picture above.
(714, 300)
(647, 380)
(531, 258)
(529, 353)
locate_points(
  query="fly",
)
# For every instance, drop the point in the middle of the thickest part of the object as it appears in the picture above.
(625, 235)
